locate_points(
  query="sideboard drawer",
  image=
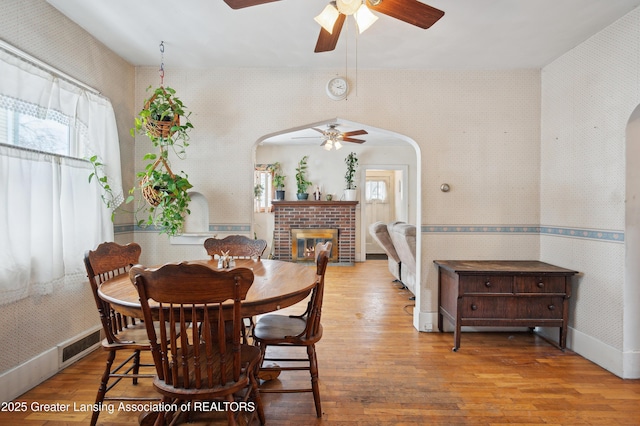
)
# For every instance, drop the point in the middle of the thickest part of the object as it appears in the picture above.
(541, 284)
(487, 307)
(486, 284)
(540, 308)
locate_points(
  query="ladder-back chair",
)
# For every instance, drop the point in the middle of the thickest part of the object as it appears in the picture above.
(205, 362)
(302, 330)
(122, 333)
(238, 246)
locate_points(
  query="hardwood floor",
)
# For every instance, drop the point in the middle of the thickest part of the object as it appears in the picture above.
(376, 369)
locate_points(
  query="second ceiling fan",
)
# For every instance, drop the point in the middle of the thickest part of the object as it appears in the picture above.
(332, 18)
(333, 138)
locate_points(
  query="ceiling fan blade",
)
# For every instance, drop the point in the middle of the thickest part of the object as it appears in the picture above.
(355, 133)
(327, 41)
(353, 140)
(241, 4)
(318, 130)
(410, 11)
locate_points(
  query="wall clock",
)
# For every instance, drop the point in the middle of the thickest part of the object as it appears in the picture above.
(337, 88)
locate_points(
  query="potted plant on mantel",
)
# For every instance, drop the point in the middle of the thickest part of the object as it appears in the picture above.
(350, 190)
(165, 121)
(277, 179)
(301, 179)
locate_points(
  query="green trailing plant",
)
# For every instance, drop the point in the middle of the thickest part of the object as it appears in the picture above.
(258, 190)
(277, 176)
(108, 197)
(351, 161)
(301, 176)
(165, 120)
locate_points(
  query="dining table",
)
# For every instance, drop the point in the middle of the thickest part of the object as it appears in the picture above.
(276, 285)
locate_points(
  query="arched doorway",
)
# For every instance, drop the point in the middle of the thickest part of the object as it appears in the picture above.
(631, 314)
(294, 142)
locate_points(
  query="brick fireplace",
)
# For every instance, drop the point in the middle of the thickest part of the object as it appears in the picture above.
(293, 216)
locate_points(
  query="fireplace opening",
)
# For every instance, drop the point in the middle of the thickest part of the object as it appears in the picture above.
(303, 243)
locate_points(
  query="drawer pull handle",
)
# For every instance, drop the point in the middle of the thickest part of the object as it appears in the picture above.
(552, 307)
(487, 284)
(540, 284)
(474, 307)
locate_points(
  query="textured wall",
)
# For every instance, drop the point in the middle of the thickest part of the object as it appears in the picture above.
(41, 31)
(588, 96)
(479, 131)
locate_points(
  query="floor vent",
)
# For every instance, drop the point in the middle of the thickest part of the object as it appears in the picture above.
(74, 350)
(376, 256)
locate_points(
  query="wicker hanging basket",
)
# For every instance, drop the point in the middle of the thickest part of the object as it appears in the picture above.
(157, 128)
(150, 193)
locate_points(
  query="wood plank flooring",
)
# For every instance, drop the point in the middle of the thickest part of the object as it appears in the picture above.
(376, 369)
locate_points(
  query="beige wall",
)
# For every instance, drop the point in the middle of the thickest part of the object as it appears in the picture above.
(588, 97)
(478, 131)
(37, 325)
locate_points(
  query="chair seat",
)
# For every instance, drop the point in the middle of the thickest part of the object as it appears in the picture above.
(249, 358)
(278, 328)
(134, 337)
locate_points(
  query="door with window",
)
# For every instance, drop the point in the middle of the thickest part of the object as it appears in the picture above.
(379, 202)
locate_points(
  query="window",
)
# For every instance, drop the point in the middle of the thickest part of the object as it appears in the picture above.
(50, 214)
(26, 131)
(376, 190)
(263, 189)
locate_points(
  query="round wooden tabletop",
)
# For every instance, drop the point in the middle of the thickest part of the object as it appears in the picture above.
(277, 284)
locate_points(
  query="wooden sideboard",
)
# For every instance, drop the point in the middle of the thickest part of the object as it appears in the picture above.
(503, 294)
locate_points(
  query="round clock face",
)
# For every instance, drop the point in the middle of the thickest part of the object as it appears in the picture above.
(337, 88)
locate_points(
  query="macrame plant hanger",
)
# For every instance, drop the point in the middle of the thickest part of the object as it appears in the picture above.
(160, 130)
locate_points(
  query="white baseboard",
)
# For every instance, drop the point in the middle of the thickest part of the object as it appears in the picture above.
(20, 379)
(625, 365)
(31, 373)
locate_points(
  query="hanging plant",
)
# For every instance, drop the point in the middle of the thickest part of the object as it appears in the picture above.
(165, 121)
(161, 117)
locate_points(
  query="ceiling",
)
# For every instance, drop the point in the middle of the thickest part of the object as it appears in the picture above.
(472, 35)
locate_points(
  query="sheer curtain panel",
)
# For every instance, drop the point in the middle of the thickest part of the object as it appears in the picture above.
(49, 213)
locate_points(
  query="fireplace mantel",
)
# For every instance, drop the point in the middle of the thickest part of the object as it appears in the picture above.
(306, 203)
(311, 214)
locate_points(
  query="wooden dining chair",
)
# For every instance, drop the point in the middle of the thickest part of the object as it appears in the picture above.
(122, 334)
(238, 246)
(208, 362)
(296, 331)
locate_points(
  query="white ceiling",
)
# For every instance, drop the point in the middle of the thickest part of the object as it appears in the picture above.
(473, 34)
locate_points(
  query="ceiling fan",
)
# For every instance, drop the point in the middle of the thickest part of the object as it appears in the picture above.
(333, 138)
(410, 11)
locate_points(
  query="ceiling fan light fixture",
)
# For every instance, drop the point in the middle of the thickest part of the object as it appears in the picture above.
(328, 145)
(338, 145)
(364, 18)
(327, 18)
(348, 7)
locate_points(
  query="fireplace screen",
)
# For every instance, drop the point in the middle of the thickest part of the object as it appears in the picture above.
(303, 243)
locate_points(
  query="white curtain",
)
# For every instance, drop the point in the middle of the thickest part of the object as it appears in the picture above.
(49, 213)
